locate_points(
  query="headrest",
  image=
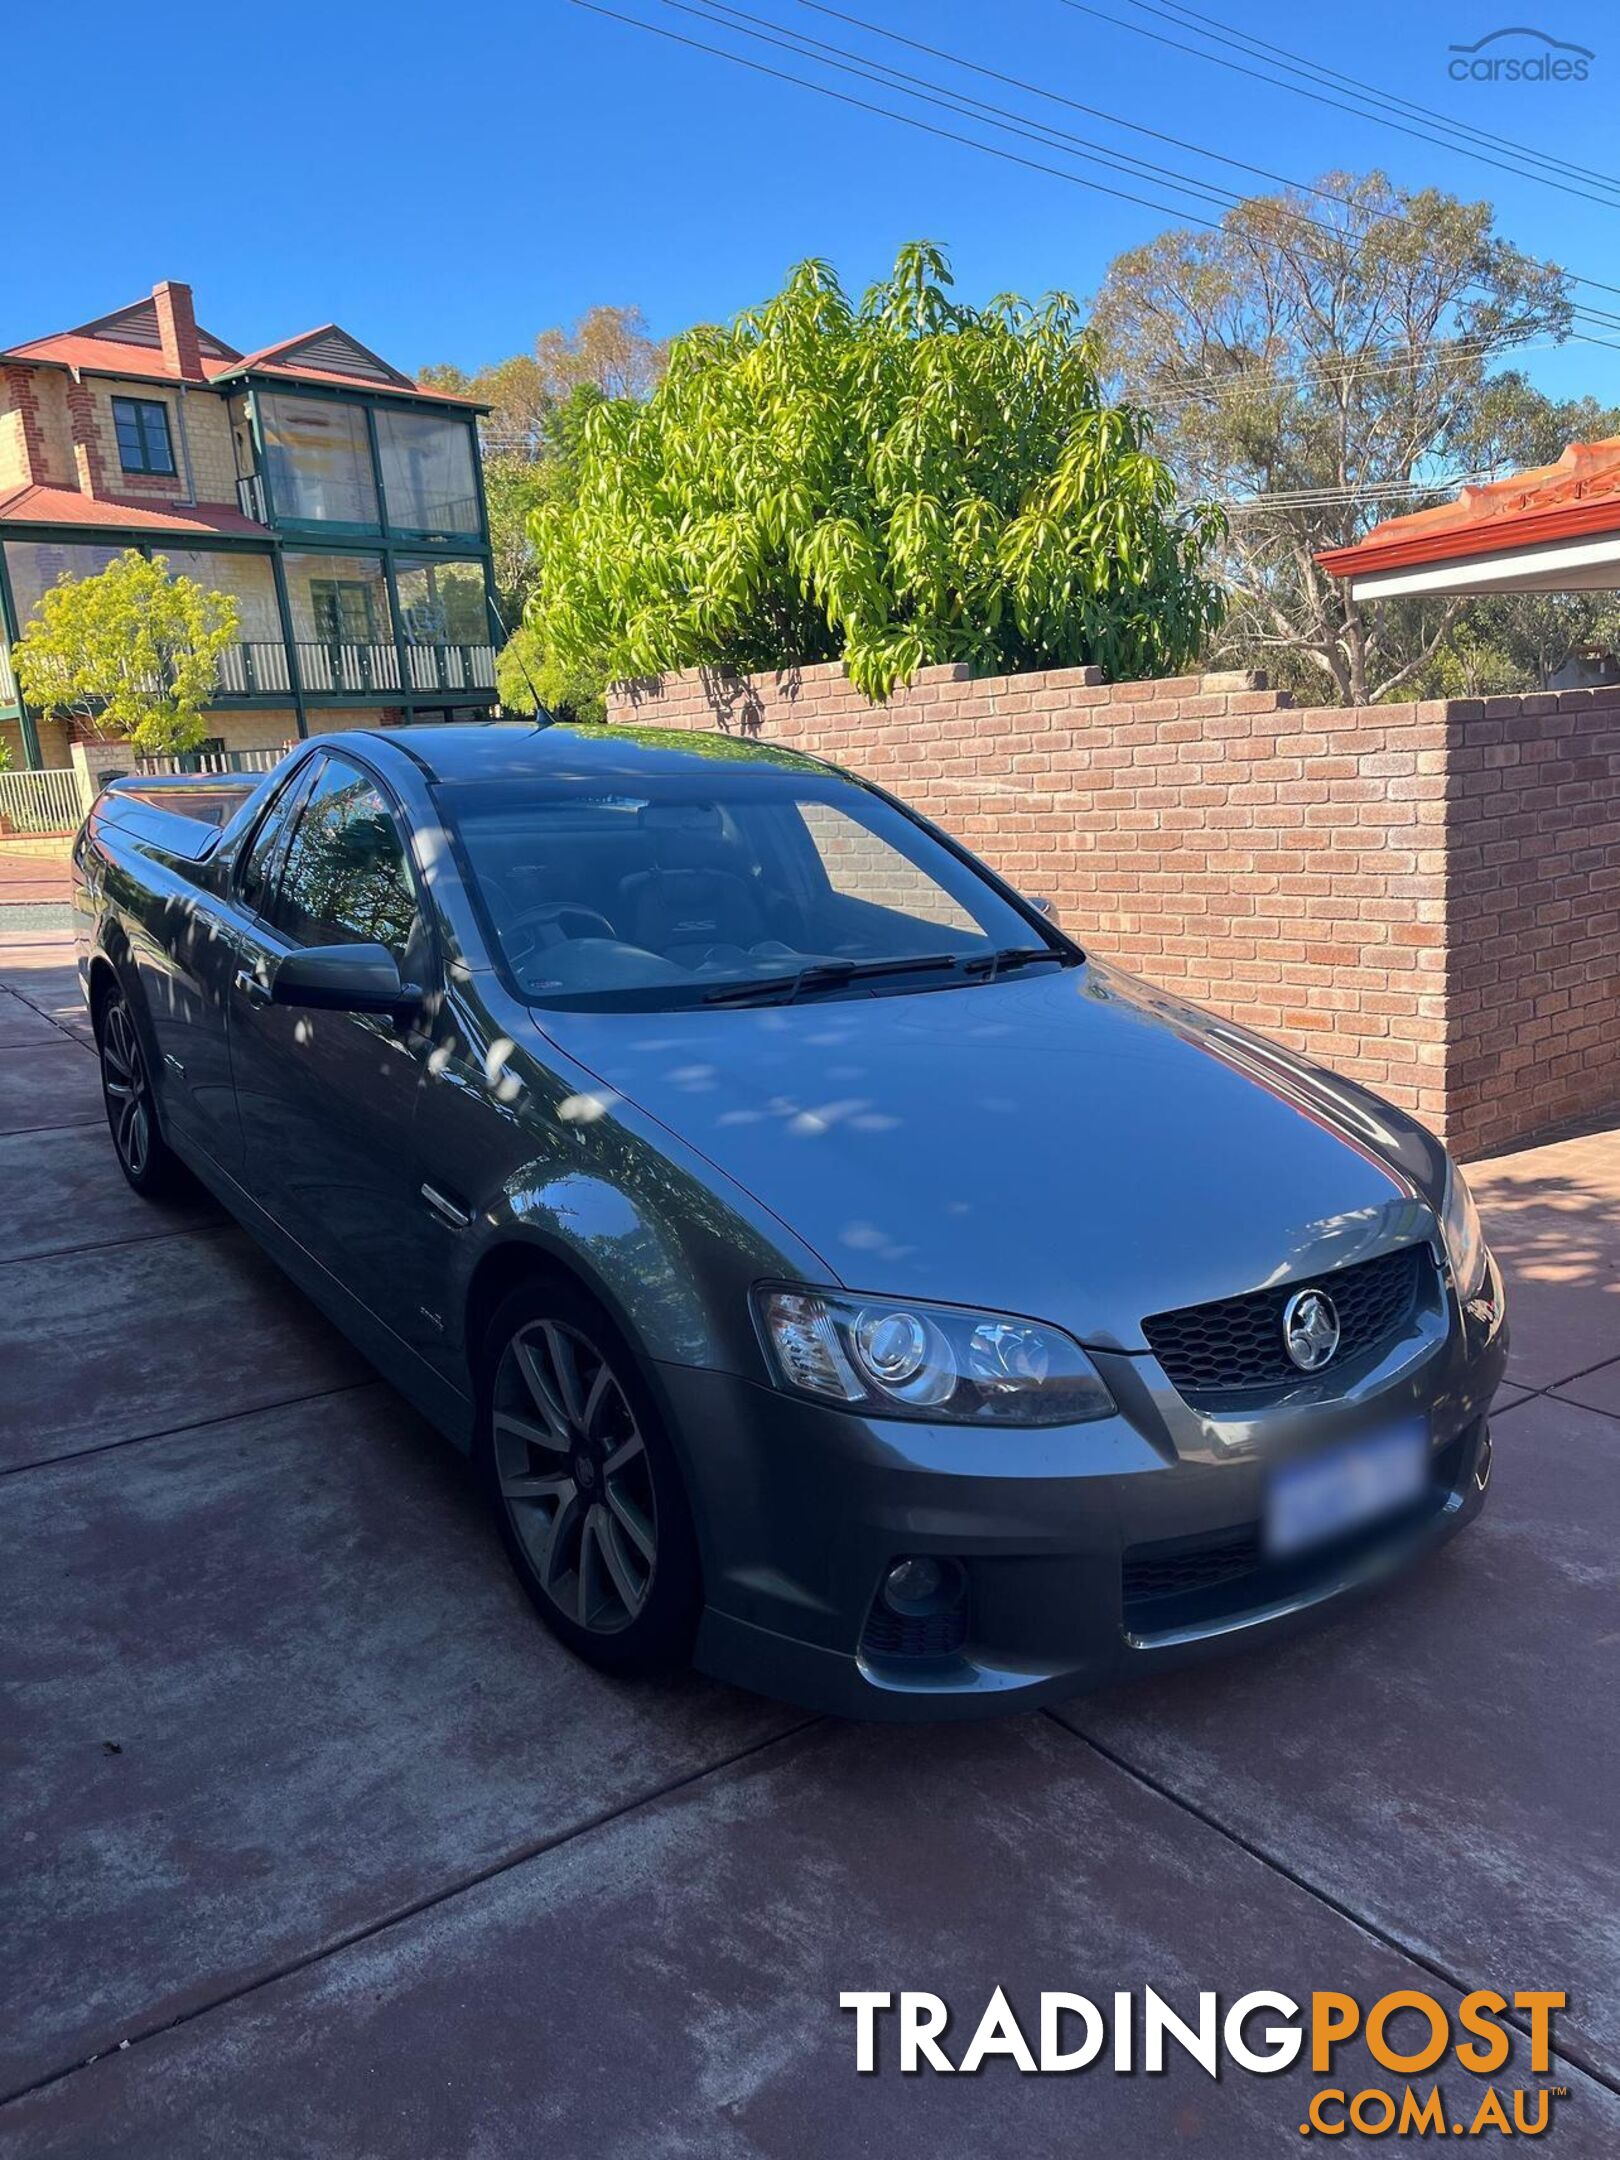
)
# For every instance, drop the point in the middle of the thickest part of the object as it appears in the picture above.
(698, 820)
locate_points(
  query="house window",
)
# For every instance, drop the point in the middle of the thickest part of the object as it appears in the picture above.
(442, 602)
(142, 426)
(429, 482)
(36, 565)
(318, 456)
(343, 611)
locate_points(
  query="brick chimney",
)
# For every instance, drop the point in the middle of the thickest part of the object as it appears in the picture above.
(177, 327)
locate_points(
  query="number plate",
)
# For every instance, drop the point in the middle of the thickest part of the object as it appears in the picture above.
(1312, 1501)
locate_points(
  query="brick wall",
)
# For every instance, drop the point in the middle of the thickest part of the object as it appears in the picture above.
(1426, 897)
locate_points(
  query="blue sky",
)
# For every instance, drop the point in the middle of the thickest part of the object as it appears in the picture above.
(447, 181)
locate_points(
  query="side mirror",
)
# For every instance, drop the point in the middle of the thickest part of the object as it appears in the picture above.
(1042, 906)
(343, 978)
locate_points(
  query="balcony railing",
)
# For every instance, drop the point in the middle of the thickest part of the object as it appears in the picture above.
(348, 670)
(159, 764)
(451, 667)
(254, 670)
(262, 668)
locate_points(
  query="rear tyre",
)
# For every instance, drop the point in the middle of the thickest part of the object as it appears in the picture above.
(144, 1156)
(584, 1484)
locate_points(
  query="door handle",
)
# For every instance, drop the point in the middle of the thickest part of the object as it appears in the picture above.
(253, 987)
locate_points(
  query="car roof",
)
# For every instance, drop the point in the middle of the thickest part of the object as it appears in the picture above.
(472, 750)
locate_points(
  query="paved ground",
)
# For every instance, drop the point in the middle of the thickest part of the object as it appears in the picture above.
(315, 1844)
(35, 886)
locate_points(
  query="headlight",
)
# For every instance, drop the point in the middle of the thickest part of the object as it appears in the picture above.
(896, 1359)
(1464, 1235)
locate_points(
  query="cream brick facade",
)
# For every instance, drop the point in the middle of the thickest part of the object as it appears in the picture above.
(328, 620)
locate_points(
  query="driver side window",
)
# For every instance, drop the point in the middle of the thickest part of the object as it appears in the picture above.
(346, 878)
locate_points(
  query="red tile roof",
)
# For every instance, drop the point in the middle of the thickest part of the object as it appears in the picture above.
(1575, 498)
(107, 356)
(66, 506)
(357, 382)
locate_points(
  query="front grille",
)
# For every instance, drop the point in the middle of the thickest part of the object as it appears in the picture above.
(1171, 1569)
(913, 1635)
(1238, 1342)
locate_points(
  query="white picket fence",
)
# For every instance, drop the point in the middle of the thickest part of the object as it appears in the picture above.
(51, 801)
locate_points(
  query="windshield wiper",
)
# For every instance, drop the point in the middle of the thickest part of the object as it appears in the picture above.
(987, 966)
(823, 975)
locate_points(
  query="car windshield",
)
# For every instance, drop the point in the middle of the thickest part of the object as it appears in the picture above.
(727, 888)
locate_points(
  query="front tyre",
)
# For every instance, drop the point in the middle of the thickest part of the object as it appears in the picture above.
(143, 1154)
(586, 1489)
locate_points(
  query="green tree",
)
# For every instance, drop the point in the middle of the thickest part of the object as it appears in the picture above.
(526, 677)
(130, 653)
(1322, 361)
(515, 486)
(607, 352)
(900, 482)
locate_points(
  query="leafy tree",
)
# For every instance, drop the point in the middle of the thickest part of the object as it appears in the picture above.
(1312, 357)
(607, 352)
(130, 653)
(526, 677)
(515, 486)
(517, 394)
(900, 482)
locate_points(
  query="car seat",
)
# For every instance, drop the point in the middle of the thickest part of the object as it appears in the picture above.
(692, 899)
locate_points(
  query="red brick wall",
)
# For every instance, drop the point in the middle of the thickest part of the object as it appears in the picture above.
(1533, 911)
(1424, 896)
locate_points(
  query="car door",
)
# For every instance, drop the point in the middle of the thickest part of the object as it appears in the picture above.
(327, 1099)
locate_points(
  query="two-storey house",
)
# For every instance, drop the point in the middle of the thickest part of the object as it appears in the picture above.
(340, 504)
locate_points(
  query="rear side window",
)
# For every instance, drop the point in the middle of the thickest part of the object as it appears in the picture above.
(345, 880)
(257, 883)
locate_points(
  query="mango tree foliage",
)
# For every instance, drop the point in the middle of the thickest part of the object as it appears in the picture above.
(898, 483)
(131, 653)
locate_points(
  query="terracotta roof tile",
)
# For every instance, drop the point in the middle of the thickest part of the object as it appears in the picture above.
(1577, 496)
(65, 506)
(107, 356)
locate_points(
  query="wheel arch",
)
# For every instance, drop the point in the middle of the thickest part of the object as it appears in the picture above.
(103, 981)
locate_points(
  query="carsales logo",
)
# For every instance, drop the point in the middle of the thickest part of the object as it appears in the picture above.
(1506, 2039)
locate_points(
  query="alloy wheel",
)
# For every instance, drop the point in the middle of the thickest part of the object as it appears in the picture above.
(574, 1476)
(127, 1089)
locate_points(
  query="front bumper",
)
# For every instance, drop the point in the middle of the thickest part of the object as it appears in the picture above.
(1092, 1552)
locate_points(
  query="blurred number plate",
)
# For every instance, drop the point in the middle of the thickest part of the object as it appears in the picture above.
(1322, 1498)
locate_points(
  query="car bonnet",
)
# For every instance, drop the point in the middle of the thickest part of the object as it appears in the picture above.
(1065, 1145)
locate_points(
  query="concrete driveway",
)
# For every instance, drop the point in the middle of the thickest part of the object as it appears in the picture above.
(316, 1844)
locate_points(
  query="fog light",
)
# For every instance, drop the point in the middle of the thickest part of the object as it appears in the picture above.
(923, 1585)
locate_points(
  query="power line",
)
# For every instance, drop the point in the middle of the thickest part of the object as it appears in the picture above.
(1097, 112)
(1319, 68)
(920, 88)
(1114, 119)
(1082, 7)
(923, 127)
(910, 85)
(1351, 494)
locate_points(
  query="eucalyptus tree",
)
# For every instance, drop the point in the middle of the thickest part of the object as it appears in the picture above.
(1320, 361)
